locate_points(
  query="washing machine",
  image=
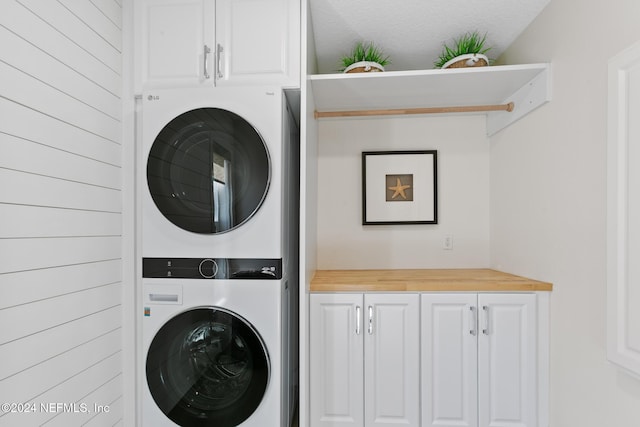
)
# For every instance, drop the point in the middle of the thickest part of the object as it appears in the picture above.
(215, 173)
(217, 180)
(213, 349)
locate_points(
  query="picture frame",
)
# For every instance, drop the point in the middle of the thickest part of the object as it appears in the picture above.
(399, 187)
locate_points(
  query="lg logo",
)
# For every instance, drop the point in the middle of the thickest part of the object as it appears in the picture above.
(153, 97)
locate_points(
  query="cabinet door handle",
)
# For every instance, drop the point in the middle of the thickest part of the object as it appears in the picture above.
(358, 320)
(485, 330)
(473, 321)
(370, 330)
(207, 51)
(219, 51)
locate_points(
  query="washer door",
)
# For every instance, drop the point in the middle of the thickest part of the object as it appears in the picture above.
(208, 171)
(207, 367)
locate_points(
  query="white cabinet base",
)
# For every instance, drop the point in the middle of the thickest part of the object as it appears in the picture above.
(364, 360)
(484, 359)
(433, 359)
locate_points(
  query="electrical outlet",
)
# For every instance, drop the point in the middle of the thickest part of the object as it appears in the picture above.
(447, 243)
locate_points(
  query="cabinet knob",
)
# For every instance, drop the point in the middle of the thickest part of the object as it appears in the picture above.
(358, 320)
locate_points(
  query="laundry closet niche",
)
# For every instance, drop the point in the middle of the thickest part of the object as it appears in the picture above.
(463, 194)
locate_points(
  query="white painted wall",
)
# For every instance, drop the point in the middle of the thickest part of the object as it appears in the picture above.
(463, 194)
(60, 211)
(548, 203)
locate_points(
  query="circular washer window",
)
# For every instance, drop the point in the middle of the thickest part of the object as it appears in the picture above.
(208, 171)
(207, 367)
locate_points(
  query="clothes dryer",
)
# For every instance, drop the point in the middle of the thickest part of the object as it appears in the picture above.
(213, 349)
(213, 173)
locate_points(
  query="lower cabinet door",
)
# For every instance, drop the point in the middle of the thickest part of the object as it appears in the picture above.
(335, 361)
(392, 360)
(449, 360)
(507, 360)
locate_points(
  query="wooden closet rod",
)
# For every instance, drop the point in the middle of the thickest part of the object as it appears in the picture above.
(429, 110)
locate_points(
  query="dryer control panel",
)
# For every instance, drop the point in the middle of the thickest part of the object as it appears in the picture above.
(212, 268)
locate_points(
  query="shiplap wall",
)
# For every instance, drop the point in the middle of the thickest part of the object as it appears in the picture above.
(61, 211)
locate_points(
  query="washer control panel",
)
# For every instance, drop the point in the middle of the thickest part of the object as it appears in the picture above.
(212, 268)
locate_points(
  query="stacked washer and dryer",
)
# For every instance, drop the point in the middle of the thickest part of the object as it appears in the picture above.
(219, 258)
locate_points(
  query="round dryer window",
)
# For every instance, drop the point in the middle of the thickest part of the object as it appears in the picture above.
(207, 367)
(208, 171)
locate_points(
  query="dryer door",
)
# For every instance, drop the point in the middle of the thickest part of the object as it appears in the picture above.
(207, 367)
(208, 171)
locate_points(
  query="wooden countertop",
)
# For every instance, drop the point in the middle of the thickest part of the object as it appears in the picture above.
(423, 280)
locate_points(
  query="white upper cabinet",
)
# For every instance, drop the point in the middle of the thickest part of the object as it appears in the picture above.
(188, 43)
(176, 39)
(258, 42)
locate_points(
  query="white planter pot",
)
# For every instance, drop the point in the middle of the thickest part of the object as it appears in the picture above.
(468, 60)
(364, 67)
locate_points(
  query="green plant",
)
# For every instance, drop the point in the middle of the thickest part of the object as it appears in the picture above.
(364, 52)
(471, 42)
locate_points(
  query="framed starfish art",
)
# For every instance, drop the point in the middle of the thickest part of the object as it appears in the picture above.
(399, 187)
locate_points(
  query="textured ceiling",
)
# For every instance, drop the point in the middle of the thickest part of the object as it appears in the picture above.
(411, 32)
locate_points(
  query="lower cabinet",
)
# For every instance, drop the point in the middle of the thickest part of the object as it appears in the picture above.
(425, 360)
(479, 360)
(364, 360)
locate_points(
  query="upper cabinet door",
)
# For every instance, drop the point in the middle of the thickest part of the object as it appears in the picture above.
(507, 362)
(176, 43)
(258, 42)
(392, 360)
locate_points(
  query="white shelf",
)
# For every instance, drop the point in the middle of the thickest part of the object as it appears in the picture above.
(527, 86)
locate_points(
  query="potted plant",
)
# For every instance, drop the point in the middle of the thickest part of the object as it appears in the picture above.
(363, 58)
(468, 51)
